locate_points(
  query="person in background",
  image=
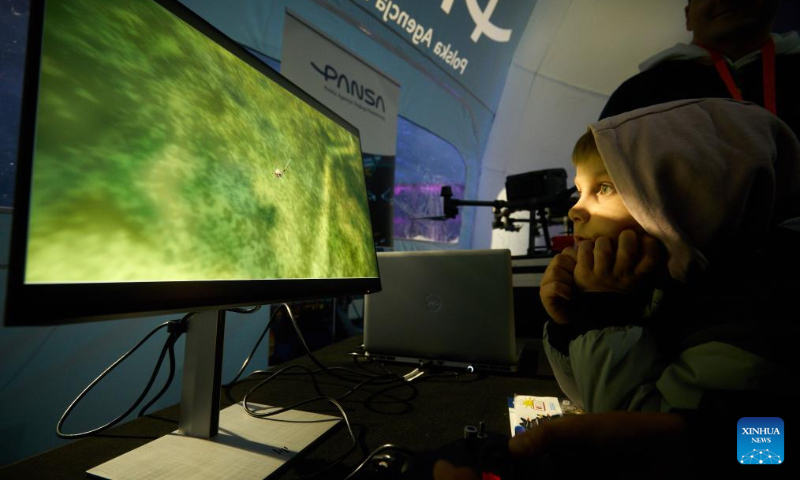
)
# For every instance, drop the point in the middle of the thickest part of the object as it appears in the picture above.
(674, 316)
(733, 54)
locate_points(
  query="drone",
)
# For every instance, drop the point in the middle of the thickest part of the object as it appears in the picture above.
(279, 172)
(542, 192)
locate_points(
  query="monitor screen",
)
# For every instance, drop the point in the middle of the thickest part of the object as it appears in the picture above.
(164, 168)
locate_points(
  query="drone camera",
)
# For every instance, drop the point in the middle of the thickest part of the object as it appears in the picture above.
(537, 184)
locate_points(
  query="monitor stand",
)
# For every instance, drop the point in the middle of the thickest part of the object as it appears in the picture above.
(209, 443)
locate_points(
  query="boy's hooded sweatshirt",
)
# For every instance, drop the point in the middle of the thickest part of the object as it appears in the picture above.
(718, 183)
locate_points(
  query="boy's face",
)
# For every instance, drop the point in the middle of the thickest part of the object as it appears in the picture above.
(599, 211)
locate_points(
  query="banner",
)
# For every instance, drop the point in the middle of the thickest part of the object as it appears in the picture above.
(342, 82)
(471, 40)
(360, 94)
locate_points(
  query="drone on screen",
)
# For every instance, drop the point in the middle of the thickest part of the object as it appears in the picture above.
(278, 173)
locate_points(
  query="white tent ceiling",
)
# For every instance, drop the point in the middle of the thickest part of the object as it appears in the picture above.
(573, 54)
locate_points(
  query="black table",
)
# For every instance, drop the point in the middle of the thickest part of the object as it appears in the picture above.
(421, 416)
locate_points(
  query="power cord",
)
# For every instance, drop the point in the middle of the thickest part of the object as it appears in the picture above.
(416, 374)
(175, 328)
(246, 311)
(322, 368)
(311, 355)
(362, 380)
(382, 448)
(383, 379)
(255, 347)
(277, 410)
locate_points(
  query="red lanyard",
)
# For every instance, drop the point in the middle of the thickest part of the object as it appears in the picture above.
(768, 63)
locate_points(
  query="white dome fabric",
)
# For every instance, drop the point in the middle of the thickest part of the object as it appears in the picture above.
(571, 58)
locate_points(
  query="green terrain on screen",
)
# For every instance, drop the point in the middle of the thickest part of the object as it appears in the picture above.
(154, 158)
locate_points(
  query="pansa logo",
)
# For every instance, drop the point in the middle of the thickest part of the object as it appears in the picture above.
(354, 88)
(759, 441)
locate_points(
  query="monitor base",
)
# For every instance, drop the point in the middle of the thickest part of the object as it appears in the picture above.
(245, 447)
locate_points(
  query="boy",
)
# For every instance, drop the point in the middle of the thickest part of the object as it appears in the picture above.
(674, 317)
(663, 305)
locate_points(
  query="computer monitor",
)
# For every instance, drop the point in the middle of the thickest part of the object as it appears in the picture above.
(163, 168)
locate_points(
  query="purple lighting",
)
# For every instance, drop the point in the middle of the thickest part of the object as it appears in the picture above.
(413, 202)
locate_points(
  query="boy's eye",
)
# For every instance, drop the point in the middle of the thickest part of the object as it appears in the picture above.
(605, 189)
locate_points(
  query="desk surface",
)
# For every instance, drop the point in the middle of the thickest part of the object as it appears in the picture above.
(420, 416)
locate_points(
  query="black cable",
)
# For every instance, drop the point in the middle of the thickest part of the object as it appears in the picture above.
(392, 377)
(447, 375)
(108, 370)
(311, 355)
(173, 338)
(305, 347)
(371, 377)
(275, 374)
(378, 378)
(302, 341)
(370, 360)
(269, 372)
(253, 351)
(382, 448)
(277, 410)
(329, 370)
(246, 311)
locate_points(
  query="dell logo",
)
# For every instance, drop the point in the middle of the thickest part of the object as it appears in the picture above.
(433, 303)
(351, 86)
(482, 19)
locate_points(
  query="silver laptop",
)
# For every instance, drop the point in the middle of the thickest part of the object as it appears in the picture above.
(447, 308)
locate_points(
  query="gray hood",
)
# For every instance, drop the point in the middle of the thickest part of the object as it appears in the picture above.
(699, 173)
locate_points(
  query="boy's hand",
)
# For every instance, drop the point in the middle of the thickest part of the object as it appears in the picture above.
(599, 437)
(600, 269)
(444, 470)
(558, 284)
